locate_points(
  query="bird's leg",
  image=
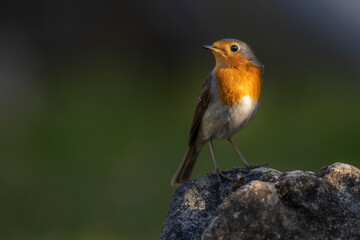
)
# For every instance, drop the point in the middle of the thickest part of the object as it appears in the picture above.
(238, 151)
(217, 170)
(247, 165)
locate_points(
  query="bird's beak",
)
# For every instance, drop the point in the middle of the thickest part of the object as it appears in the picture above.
(211, 48)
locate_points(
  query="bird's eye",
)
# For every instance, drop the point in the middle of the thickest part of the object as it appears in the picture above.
(234, 48)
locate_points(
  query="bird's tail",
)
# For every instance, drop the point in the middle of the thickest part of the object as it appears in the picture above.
(187, 165)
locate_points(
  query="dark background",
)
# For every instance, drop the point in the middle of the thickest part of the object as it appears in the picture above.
(96, 101)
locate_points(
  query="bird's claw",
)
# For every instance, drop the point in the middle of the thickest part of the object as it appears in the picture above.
(251, 166)
(221, 174)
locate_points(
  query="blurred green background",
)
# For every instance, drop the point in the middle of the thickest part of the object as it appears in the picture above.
(97, 101)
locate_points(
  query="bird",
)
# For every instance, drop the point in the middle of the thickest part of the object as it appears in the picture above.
(228, 100)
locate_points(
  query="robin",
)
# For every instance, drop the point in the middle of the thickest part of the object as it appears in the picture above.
(228, 100)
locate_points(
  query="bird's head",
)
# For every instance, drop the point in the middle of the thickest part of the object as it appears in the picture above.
(232, 53)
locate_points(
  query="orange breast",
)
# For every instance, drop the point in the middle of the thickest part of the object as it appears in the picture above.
(235, 83)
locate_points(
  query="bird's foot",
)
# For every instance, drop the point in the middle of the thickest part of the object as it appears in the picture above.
(222, 171)
(221, 174)
(251, 166)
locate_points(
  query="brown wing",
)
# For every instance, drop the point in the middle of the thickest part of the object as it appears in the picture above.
(204, 101)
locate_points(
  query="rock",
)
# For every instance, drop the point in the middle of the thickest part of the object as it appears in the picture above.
(268, 204)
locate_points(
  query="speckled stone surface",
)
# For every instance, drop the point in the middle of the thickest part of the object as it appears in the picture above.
(268, 204)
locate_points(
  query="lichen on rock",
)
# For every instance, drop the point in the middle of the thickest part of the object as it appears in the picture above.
(268, 204)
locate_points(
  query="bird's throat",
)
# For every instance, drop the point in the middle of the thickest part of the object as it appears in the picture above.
(235, 83)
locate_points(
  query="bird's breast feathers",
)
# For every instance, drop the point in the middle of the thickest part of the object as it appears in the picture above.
(233, 84)
(234, 104)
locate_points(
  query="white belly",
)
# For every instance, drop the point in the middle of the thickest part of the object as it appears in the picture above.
(222, 121)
